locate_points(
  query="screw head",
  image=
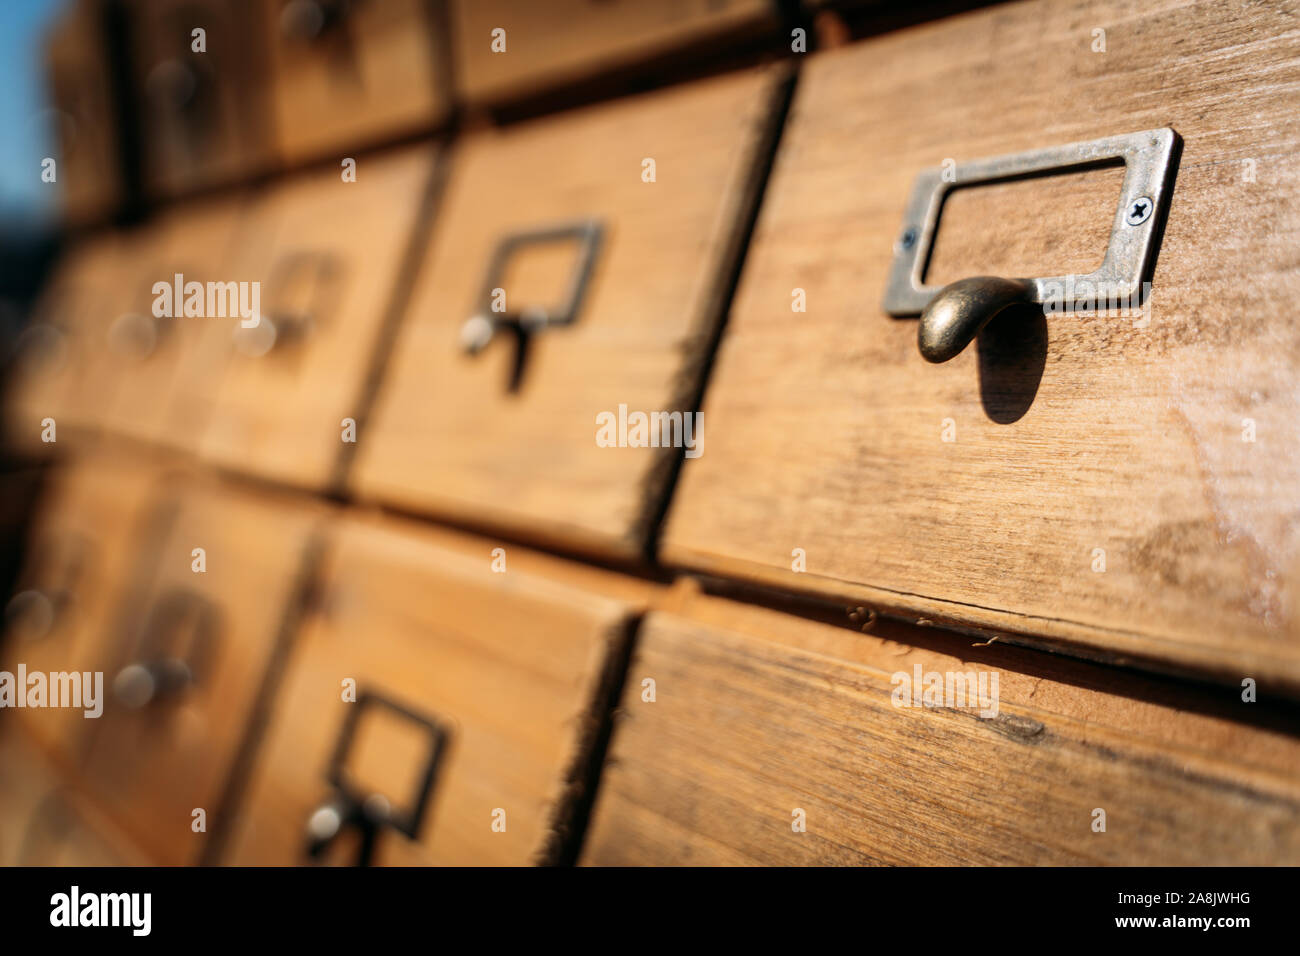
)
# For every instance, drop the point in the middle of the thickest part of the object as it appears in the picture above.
(908, 239)
(1139, 211)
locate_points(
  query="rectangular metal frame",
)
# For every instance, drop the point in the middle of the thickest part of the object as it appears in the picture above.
(1148, 160)
(406, 819)
(588, 233)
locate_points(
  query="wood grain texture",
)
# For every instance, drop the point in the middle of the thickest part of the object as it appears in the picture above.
(75, 572)
(510, 662)
(166, 371)
(1084, 432)
(97, 358)
(278, 413)
(448, 438)
(1050, 225)
(80, 83)
(757, 714)
(551, 44)
(373, 75)
(205, 115)
(150, 767)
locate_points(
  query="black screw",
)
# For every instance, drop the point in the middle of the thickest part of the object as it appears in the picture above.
(1139, 211)
(908, 239)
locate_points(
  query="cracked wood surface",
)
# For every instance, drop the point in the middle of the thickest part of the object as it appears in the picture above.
(1073, 437)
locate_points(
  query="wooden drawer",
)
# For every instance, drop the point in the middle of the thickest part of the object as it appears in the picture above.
(81, 85)
(187, 667)
(166, 370)
(96, 356)
(451, 436)
(507, 675)
(205, 116)
(26, 778)
(1123, 486)
(57, 372)
(758, 716)
(327, 255)
(568, 41)
(43, 823)
(349, 74)
(92, 517)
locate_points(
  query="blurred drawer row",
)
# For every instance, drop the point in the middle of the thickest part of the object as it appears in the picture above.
(577, 265)
(220, 91)
(1119, 486)
(241, 327)
(283, 684)
(278, 684)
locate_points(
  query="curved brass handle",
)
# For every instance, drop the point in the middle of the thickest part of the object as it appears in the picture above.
(54, 574)
(143, 682)
(276, 331)
(368, 812)
(485, 322)
(955, 316)
(303, 294)
(176, 641)
(307, 20)
(173, 83)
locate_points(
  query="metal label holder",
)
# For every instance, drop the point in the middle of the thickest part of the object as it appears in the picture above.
(352, 808)
(1148, 158)
(483, 325)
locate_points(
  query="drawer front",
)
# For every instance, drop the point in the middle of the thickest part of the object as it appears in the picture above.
(167, 368)
(58, 372)
(776, 740)
(186, 668)
(554, 44)
(1119, 483)
(509, 438)
(444, 708)
(89, 165)
(92, 518)
(327, 255)
(106, 351)
(350, 74)
(205, 115)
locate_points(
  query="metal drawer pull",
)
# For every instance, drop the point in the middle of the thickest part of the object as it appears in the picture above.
(481, 327)
(330, 26)
(307, 20)
(368, 812)
(59, 563)
(178, 637)
(953, 315)
(303, 292)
